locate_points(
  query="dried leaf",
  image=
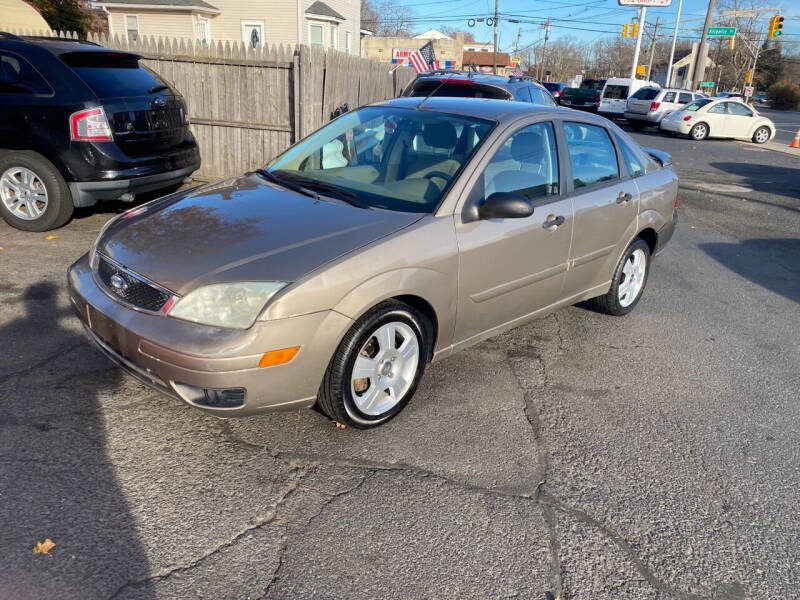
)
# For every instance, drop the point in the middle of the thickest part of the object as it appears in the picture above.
(50, 237)
(44, 547)
(340, 425)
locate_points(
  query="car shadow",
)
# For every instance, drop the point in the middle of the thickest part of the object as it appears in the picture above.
(770, 263)
(56, 477)
(765, 178)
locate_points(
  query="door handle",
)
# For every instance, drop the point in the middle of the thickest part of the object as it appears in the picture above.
(624, 197)
(553, 222)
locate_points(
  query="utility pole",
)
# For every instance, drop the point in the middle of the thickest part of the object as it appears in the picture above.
(668, 83)
(516, 42)
(641, 20)
(544, 49)
(494, 26)
(702, 53)
(652, 50)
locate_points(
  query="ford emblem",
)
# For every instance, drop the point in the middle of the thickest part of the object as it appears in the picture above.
(159, 102)
(118, 283)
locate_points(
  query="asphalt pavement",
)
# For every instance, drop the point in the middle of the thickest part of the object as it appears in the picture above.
(581, 456)
(787, 123)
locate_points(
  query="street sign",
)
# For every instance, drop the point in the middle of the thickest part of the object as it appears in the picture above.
(721, 31)
(641, 69)
(515, 60)
(749, 77)
(706, 84)
(644, 2)
(748, 91)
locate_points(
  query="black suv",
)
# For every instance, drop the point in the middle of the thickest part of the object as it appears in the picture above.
(472, 84)
(81, 123)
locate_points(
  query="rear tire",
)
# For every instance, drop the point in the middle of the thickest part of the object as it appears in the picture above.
(699, 132)
(761, 135)
(628, 282)
(33, 194)
(637, 125)
(377, 367)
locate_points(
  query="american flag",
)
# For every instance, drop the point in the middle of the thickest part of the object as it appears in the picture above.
(423, 59)
(517, 71)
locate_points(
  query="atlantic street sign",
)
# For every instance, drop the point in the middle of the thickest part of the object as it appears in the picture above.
(721, 31)
(706, 84)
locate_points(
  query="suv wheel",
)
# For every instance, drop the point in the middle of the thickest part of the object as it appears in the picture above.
(33, 195)
(377, 367)
(628, 282)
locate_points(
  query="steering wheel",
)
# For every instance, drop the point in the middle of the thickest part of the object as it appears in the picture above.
(440, 174)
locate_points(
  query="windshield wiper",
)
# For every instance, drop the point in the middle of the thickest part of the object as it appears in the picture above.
(157, 88)
(270, 176)
(331, 189)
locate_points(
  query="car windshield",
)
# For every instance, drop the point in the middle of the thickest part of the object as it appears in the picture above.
(696, 105)
(383, 157)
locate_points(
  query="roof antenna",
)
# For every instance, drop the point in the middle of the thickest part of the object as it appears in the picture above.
(433, 91)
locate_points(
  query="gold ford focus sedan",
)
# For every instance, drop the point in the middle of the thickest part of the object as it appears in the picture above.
(393, 236)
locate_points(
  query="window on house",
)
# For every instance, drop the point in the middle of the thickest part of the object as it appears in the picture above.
(253, 33)
(347, 42)
(132, 27)
(316, 34)
(203, 30)
(334, 31)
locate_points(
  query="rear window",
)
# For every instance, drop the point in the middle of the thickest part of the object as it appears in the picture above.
(113, 74)
(696, 105)
(457, 89)
(645, 94)
(616, 92)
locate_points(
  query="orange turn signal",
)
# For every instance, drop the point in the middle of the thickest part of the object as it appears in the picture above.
(278, 357)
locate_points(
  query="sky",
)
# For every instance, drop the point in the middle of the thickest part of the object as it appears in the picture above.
(586, 20)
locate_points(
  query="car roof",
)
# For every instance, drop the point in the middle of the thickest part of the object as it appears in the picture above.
(59, 45)
(478, 77)
(482, 108)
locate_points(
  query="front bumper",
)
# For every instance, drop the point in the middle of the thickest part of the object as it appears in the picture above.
(179, 358)
(88, 193)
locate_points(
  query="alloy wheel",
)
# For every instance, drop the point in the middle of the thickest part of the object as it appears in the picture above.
(385, 368)
(762, 135)
(632, 279)
(23, 193)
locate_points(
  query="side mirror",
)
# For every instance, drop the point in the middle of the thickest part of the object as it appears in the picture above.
(504, 205)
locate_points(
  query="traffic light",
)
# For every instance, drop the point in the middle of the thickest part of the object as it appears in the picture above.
(635, 30)
(626, 29)
(732, 42)
(775, 26)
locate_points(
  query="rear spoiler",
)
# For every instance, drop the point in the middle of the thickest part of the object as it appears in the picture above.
(662, 157)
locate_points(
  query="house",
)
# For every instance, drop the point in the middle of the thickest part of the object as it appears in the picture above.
(19, 15)
(396, 50)
(333, 23)
(484, 61)
(432, 34)
(682, 69)
(478, 47)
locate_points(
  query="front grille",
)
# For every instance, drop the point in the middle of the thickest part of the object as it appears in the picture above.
(130, 288)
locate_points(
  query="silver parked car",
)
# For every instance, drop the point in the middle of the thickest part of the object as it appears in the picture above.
(394, 236)
(649, 105)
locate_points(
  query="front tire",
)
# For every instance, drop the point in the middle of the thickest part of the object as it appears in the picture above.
(377, 367)
(33, 194)
(761, 135)
(699, 132)
(628, 282)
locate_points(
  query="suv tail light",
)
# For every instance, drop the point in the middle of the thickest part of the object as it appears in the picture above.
(90, 125)
(597, 95)
(654, 105)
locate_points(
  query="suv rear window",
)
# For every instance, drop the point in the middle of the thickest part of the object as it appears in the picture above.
(646, 94)
(113, 74)
(457, 89)
(616, 92)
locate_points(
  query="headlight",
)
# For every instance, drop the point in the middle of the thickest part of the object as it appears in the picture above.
(233, 305)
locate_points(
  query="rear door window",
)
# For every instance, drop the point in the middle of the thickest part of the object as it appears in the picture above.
(114, 74)
(17, 76)
(616, 92)
(684, 98)
(591, 154)
(669, 97)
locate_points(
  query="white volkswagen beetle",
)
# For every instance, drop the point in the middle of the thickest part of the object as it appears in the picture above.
(719, 118)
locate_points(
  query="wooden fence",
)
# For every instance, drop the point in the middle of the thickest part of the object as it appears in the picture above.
(247, 105)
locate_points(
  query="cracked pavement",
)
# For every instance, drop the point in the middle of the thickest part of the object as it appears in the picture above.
(580, 456)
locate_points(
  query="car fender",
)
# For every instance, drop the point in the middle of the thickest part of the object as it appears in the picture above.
(763, 121)
(435, 288)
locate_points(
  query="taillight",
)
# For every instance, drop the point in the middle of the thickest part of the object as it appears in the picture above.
(597, 95)
(687, 118)
(675, 205)
(90, 125)
(654, 105)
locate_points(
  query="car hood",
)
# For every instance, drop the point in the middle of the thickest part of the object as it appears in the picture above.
(242, 229)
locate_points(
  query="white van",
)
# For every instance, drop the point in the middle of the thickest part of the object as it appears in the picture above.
(615, 94)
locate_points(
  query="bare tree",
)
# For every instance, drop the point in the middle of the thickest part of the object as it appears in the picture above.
(452, 31)
(386, 18)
